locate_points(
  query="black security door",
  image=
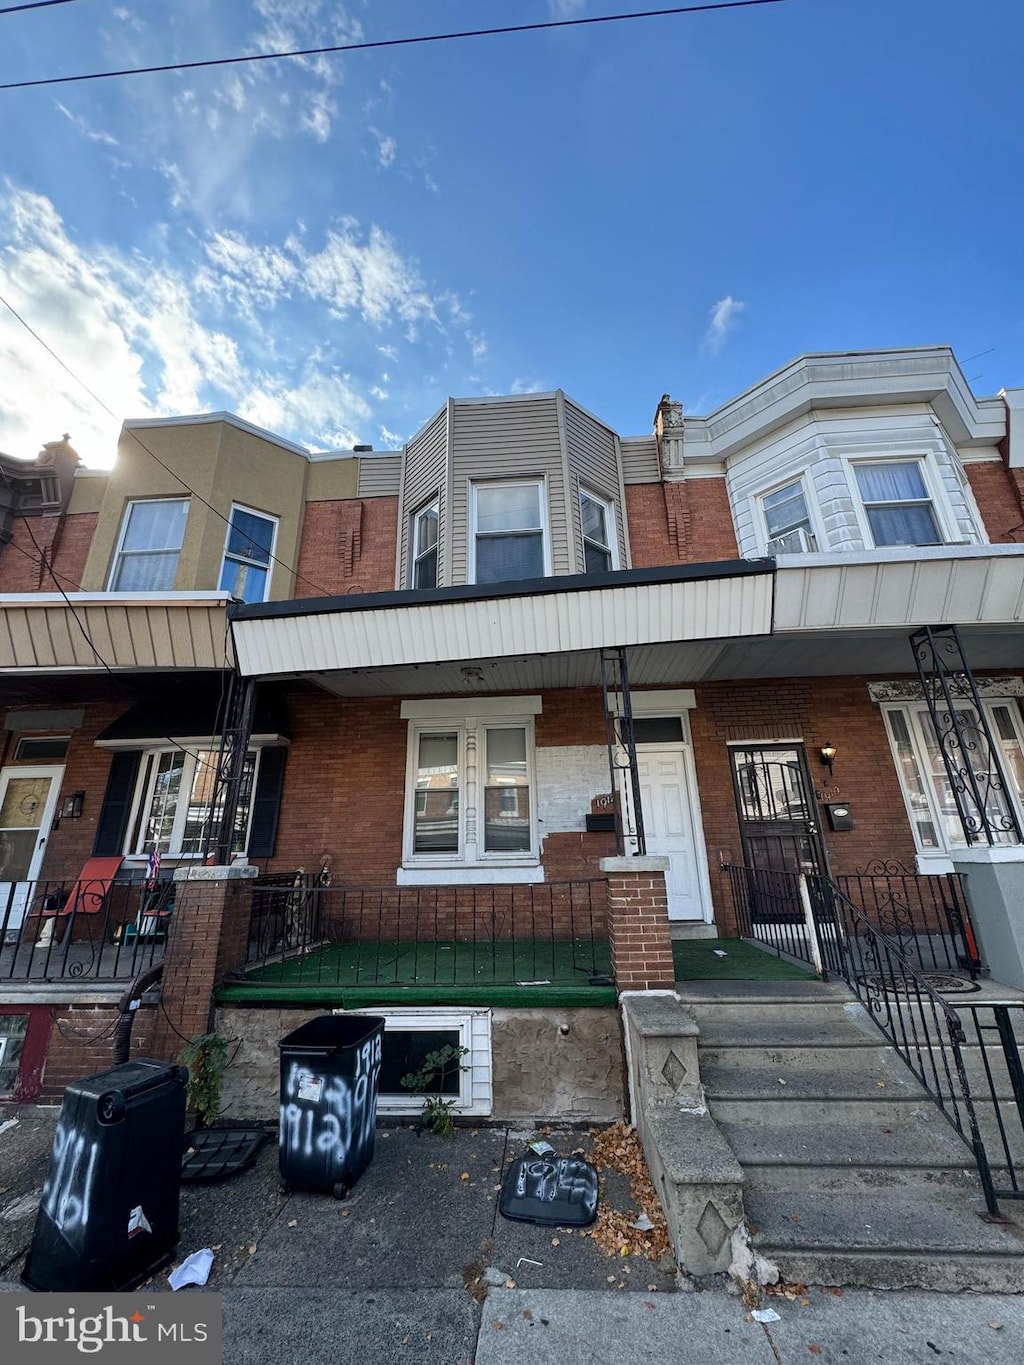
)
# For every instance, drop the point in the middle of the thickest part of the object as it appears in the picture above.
(778, 824)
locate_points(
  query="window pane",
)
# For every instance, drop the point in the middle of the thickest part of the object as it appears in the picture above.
(594, 521)
(506, 755)
(248, 582)
(504, 507)
(785, 510)
(250, 536)
(200, 817)
(426, 530)
(13, 1028)
(155, 525)
(596, 559)
(658, 730)
(891, 482)
(910, 525)
(1010, 749)
(404, 1051)
(145, 573)
(436, 817)
(507, 796)
(164, 805)
(425, 573)
(49, 747)
(500, 559)
(913, 784)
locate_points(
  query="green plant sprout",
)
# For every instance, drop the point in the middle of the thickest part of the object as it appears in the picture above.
(429, 1081)
(206, 1057)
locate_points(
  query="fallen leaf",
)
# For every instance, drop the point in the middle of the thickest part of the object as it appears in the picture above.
(814, 1349)
(527, 1315)
(996, 1326)
(497, 1325)
(464, 1175)
(346, 1213)
(251, 1248)
(510, 1284)
(293, 1222)
(555, 1242)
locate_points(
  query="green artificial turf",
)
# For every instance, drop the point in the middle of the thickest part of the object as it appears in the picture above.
(504, 962)
(696, 959)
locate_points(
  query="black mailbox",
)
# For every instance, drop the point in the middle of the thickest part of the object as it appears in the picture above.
(839, 816)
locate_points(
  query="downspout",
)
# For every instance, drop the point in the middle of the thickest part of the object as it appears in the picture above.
(127, 1007)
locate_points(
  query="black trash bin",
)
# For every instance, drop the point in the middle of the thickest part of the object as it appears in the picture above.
(109, 1212)
(330, 1069)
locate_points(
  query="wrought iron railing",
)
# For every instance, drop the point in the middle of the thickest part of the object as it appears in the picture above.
(926, 1031)
(995, 1039)
(82, 929)
(927, 916)
(306, 934)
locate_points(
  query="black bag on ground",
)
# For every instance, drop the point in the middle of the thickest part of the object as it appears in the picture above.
(552, 1191)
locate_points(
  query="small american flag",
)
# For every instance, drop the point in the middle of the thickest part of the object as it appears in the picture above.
(153, 868)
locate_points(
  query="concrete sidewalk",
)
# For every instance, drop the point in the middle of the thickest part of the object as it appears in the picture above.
(396, 1274)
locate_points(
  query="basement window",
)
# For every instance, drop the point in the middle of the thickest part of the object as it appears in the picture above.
(13, 1028)
(409, 1034)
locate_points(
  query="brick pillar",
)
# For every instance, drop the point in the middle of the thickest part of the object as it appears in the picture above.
(638, 928)
(208, 934)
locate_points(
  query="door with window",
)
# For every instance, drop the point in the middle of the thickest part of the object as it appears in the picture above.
(778, 826)
(671, 827)
(28, 797)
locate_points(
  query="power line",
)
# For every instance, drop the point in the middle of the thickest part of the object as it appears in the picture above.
(390, 42)
(300, 578)
(35, 4)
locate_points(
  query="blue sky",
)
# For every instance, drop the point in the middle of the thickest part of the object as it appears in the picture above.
(331, 247)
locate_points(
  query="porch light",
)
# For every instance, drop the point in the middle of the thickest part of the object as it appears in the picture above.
(827, 753)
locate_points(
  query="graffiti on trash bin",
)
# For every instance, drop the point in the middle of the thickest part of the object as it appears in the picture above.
(329, 1120)
(568, 1180)
(68, 1190)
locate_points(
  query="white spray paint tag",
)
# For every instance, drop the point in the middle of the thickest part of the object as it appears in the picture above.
(310, 1088)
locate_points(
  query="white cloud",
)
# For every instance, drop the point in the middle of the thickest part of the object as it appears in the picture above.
(566, 9)
(392, 440)
(93, 134)
(387, 148)
(527, 386)
(232, 324)
(722, 319)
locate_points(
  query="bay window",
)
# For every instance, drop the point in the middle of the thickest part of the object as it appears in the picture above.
(926, 789)
(897, 503)
(598, 523)
(786, 519)
(508, 531)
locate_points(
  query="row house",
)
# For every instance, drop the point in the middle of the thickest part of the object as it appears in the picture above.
(450, 698)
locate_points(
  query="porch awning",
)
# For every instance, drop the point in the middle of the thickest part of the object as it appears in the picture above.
(501, 625)
(44, 632)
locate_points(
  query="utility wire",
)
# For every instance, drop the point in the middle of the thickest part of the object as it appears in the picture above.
(390, 42)
(299, 578)
(35, 4)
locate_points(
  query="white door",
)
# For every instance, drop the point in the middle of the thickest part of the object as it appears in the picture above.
(28, 797)
(671, 830)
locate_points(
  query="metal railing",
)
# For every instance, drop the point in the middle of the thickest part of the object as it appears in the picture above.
(926, 916)
(76, 929)
(306, 934)
(996, 1032)
(928, 1034)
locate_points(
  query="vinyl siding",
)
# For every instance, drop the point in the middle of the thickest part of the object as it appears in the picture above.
(640, 460)
(426, 473)
(593, 465)
(379, 477)
(507, 439)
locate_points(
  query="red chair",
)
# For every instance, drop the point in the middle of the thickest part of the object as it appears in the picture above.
(88, 896)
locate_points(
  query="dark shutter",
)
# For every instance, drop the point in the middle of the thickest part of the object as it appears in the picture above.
(266, 803)
(117, 800)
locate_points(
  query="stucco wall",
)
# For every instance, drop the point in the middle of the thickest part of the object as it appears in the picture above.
(547, 1064)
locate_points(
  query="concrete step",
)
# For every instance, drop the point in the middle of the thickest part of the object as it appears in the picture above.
(947, 1222)
(762, 992)
(869, 1114)
(835, 1073)
(959, 1272)
(834, 1152)
(833, 1026)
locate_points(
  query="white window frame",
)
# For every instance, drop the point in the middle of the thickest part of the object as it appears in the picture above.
(119, 550)
(269, 566)
(142, 797)
(761, 521)
(539, 482)
(608, 507)
(415, 552)
(937, 859)
(476, 1081)
(937, 496)
(470, 719)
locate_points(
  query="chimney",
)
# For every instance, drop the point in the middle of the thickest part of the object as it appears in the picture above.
(668, 431)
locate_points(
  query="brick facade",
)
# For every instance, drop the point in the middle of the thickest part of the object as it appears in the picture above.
(638, 926)
(63, 543)
(348, 546)
(81, 1043)
(999, 499)
(680, 523)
